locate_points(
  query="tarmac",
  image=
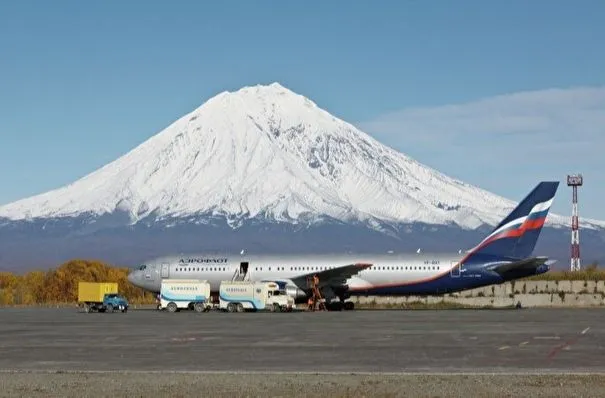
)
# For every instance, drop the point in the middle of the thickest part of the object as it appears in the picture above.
(505, 342)
(545, 340)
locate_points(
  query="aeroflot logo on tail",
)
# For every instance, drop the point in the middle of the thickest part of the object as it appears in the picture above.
(203, 260)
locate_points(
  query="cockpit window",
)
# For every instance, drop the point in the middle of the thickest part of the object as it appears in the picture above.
(142, 267)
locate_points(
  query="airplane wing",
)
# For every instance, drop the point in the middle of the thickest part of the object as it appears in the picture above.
(526, 264)
(331, 277)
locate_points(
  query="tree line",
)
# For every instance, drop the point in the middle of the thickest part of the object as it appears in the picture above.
(60, 285)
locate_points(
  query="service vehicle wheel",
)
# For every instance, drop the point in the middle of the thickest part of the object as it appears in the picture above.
(109, 308)
(349, 306)
(230, 307)
(171, 307)
(198, 307)
(240, 307)
(276, 307)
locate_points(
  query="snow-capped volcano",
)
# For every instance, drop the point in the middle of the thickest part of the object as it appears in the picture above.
(267, 152)
(267, 170)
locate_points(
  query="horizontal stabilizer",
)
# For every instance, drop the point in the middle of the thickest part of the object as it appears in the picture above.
(530, 264)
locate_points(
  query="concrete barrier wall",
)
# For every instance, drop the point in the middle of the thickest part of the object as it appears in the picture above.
(526, 293)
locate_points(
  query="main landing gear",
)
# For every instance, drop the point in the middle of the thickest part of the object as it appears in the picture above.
(341, 305)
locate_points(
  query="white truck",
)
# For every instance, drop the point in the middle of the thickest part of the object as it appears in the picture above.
(177, 294)
(239, 296)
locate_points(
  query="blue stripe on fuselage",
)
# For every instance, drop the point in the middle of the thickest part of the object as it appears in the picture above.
(472, 275)
(468, 278)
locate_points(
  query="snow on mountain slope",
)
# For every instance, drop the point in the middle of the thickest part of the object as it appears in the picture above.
(266, 151)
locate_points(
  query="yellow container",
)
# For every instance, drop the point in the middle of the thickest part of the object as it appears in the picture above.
(93, 292)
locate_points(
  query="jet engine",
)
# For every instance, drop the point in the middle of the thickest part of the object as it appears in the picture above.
(297, 294)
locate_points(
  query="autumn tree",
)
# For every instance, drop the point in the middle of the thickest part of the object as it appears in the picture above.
(61, 285)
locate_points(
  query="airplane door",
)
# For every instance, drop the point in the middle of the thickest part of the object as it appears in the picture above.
(455, 269)
(165, 270)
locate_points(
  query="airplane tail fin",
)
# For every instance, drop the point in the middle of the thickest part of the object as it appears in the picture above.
(517, 234)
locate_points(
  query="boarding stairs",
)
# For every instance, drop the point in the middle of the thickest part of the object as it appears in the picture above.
(316, 302)
(241, 274)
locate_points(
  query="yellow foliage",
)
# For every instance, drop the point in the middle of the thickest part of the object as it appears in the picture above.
(59, 286)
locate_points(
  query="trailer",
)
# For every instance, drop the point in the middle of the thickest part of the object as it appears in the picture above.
(239, 296)
(101, 297)
(192, 294)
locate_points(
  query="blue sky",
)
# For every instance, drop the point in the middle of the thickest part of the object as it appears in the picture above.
(488, 92)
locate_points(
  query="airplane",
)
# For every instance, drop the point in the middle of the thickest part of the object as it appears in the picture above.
(503, 255)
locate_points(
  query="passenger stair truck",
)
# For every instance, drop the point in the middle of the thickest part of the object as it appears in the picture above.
(101, 297)
(239, 296)
(192, 294)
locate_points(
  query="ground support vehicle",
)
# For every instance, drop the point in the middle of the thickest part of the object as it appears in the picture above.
(101, 297)
(239, 296)
(191, 294)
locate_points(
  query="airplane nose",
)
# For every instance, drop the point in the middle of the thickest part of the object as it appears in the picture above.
(132, 278)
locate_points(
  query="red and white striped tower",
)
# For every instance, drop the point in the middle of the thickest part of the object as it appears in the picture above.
(575, 181)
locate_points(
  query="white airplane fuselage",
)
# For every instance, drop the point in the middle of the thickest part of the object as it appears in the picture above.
(504, 254)
(390, 274)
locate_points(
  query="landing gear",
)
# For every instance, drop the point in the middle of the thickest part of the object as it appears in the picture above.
(345, 305)
(342, 305)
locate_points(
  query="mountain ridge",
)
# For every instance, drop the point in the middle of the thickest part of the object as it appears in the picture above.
(265, 150)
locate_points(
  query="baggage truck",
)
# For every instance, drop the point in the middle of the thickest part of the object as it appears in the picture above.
(239, 296)
(177, 294)
(101, 297)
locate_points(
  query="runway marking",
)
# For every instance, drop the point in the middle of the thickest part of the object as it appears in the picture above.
(547, 338)
(504, 347)
(523, 343)
(567, 345)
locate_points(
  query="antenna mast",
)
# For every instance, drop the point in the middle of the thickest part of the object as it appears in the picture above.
(575, 181)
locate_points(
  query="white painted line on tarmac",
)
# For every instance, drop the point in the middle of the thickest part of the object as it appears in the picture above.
(586, 330)
(547, 338)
